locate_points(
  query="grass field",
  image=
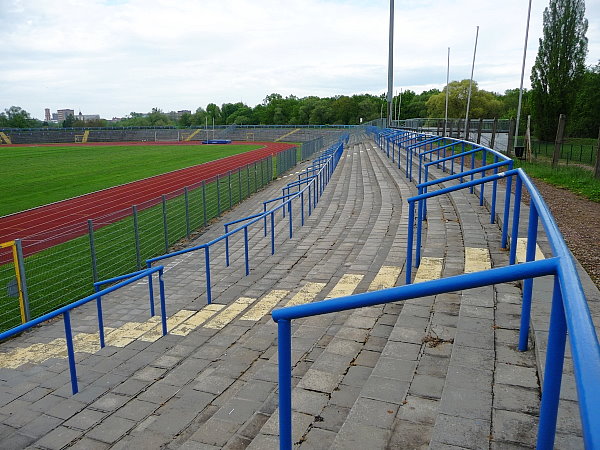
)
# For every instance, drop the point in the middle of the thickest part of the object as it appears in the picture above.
(34, 176)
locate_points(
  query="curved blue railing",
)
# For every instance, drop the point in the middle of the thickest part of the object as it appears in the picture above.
(326, 165)
(570, 312)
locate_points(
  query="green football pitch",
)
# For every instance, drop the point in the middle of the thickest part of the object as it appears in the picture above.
(37, 175)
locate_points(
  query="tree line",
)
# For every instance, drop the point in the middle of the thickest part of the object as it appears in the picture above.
(350, 110)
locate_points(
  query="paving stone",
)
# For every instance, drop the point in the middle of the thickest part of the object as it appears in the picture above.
(419, 410)
(40, 426)
(16, 441)
(110, 402)
(516, 375)
(237, 410)
(85, 419)
(111, 429)
(401, 350)
(357, 375)
(86, 443)
(214, 432)
(301, 422)
(58, 438)
(345, 395)
(467, 403)
(308, 402)
(361, 436)
(461, 432)
(410, 435)
(264, 442)
(317, 439)
(514, 427)
(372, 412)
(333, 363)
(320, 381)
(427, 386)
(516, 398)
(254, 425)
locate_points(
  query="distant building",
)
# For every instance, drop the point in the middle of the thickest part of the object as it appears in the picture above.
(86, 117)
(47, 117)
(174, 115)
(62, 114)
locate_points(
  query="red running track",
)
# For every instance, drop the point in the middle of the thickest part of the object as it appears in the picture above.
(55, 223)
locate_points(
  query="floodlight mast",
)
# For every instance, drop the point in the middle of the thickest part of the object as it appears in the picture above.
(522, 75)
(447, 92)
(470, 86)
(390, 66)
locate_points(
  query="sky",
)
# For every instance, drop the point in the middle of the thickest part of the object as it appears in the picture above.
(112, 57)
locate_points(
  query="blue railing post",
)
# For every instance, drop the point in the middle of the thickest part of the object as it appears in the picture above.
(483, 163)
(289, 205)
(528, 283)
(163, 303)
(302, 207)
(70, 351)
(409, 241)
(100, 318)
(273, 231)
(150, 290)
(553, 371)
(284, 348)
(246, 256)
(515, 225)
(226, 245)
(506, 210)
(207, 263)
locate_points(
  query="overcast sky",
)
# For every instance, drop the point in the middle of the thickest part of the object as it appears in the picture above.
(112, 57)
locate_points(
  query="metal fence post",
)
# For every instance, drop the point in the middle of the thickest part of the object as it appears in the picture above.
(187, 212)
(92, 250)
(255, 176)
(239, 185)
(229, 187)
(218, 197)
(136, 233)
(166, 229)
(204, 201)
(248, 179)
(21, 263)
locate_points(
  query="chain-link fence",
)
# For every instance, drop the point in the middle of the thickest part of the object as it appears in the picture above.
(58, 272)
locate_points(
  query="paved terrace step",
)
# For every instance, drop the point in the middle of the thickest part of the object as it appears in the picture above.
(390, 374)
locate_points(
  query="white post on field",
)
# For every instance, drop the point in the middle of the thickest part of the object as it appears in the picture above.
(471, 85)
(522, 75)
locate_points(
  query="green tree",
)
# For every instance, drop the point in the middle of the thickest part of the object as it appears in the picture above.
(585, 118)
(17, 117)
(69, 122)
(213, 112)
(559, 65)
(484, 104)
(185, 120)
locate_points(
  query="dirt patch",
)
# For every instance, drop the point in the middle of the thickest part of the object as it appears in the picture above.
(579, 221)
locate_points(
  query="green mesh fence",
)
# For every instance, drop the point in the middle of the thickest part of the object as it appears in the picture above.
(121, 242)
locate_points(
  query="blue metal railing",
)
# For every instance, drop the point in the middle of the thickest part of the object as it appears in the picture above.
(314, 189)
(569, 306)
(65, 311)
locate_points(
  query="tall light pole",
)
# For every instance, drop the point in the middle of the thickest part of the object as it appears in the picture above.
(522, 75)
(470, 86)
(390, 65)
(447, 88)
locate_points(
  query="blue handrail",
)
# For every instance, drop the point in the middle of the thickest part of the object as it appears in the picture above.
(123, 280)
(569, 306)
(314, 190)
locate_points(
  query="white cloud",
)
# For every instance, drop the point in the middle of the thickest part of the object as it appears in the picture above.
(116, 56)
